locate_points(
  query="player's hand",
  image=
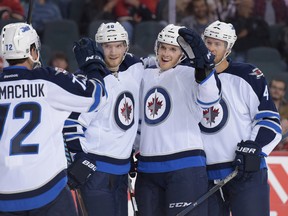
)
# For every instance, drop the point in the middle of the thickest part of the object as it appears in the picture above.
(248, 157)
(194, 48)
(79, 172)
(89, 56)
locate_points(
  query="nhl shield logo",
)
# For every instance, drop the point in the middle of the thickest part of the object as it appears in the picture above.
(157, 105)
(214, 118)
(124, 110)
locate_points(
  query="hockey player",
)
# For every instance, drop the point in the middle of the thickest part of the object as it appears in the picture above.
(171, 165)
(106, 137)
(245, 122)
(34, 103)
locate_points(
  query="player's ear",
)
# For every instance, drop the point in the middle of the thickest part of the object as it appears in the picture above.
(33, 52)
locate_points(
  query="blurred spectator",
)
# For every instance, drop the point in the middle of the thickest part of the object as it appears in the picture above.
(277, 88)
(182, 11)
(131, 12)
(59, 60)
(100, 10)
(11, 9)
(272, 11)
(222, 9)
(96, 10)
(200, 17)
(43, 11)
(251, 31)
(283, 43)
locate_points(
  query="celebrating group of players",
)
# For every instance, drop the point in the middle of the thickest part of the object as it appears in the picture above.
(190, 117)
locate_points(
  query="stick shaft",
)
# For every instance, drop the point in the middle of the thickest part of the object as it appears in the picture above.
(208, 194)
(80, 203)
(132, 197)
(29, 15)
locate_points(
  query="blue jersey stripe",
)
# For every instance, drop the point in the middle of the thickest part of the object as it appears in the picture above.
(33, 202)
(171, 165)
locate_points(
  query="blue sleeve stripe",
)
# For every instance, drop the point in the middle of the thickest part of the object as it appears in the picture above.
(97, 96)
(267, 114)
(70, 123)
(208, 104)
(212, 73)
(73, 136)
(272, 125)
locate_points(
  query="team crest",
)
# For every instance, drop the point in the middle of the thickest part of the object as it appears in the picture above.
(60, 70)
(124, 110)
(256, 72)
(214, 118)
(157, 104)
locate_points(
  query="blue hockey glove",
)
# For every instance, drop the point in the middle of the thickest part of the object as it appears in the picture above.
(194, 48)
(248, 157)
(79, 172)
(90, 57)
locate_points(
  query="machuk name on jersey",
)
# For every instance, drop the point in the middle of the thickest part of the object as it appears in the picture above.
(22, 91)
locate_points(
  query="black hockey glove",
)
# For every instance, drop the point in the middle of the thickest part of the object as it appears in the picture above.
(194, 48)
(133, 165)
(248, 157)
(79, 172)
(90, 57)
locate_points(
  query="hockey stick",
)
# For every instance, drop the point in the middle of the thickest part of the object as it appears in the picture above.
(132, 196)
(29, 20)
(80, 204)
(29, 15)
(205, 196)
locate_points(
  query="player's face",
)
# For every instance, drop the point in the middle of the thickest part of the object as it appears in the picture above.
(168, 55)
(113, 53)
(216, 47)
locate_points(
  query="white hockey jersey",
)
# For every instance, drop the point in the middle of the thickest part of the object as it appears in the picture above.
(108, 135)
(171, 108)
(246, 112)
(33, 107)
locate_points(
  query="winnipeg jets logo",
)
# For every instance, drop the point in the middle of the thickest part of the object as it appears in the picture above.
(157, 104)
(124, 110)
(154, 105)
(256, 72)
(210, 115)
(214, 118)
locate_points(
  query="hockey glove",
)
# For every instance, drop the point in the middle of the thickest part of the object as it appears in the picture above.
(248, 157)
(133, 165)
(90, 57)
(194, 48)
(79, 172)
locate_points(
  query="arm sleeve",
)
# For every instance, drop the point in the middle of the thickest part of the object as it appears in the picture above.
(74, 131)
(209, 91)
(266, 128)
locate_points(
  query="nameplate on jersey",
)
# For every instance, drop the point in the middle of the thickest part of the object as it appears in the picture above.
(34, 90)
